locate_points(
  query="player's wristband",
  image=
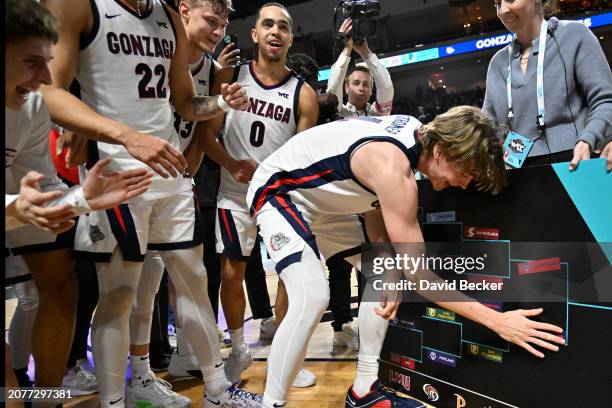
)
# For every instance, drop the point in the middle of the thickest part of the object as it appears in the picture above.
(222, 104)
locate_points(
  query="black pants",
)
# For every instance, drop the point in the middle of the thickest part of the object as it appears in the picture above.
(212, 260)
(257, 289)
(340, 291)
(87, 301)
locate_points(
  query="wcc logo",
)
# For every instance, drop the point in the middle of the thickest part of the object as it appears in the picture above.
(283, 95)
(517, 146)
(162, 24)
(401, 379)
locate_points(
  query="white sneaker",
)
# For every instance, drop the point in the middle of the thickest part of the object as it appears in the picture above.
(267, 328)
(184, 366)
(153, 392)
(304, 379)
(348, 337)
(80, 382)
(224, 338)
(234, 397)
(236, 363)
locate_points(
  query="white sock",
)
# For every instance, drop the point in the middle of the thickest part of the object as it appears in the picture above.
(215, 380)
(238, 343)
(367, 373)
(140, 366)
(182, 344)
(269, 402)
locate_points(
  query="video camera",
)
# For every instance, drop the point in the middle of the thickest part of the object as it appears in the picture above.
(363, 13)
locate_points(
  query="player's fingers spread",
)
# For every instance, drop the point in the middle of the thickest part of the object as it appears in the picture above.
(548, 337)
(543, 344)
(546, 326)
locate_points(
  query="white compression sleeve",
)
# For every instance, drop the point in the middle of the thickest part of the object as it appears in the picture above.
(142, 311)
(308, 293)
(117, 285)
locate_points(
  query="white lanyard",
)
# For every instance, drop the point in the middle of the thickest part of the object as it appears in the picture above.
(539, 77)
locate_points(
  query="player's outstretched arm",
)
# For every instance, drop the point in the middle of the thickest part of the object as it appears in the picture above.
(75, 18)
(385, 169)
(183, 96)
(205, 140)
(30, 206)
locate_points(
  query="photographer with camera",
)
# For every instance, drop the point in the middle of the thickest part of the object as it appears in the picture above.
(358, 85)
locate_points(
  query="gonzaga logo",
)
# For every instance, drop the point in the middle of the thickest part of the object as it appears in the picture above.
(400, 379)
(431, 392)
(517, 146)
(277, 241)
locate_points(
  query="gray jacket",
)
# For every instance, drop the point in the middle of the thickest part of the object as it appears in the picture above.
(589, 83)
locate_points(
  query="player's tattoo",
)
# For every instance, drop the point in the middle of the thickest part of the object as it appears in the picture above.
(205, 105)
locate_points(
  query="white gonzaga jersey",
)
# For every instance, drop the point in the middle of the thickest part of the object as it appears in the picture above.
(203, 73)
(123, 71)
(266, 125)
(313, 168)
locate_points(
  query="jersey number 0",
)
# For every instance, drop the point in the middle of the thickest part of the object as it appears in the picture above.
(257, 133)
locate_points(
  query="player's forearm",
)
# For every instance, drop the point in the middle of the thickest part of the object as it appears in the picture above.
(73, 114)
(217, 152)
(194, 154)
(200, 108)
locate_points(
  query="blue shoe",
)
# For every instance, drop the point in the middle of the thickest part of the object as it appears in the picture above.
(379, 397)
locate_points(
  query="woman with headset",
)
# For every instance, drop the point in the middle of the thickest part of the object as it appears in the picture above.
(551, 85)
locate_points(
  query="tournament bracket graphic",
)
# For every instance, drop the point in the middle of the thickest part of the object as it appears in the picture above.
(544, 217)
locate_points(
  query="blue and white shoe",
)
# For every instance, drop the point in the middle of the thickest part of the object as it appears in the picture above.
(234, 397)
(379, 397)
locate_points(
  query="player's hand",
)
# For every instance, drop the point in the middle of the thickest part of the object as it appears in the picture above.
(582, 151)
(516, 327)
(229, 56)
(30, 208)
(156, 153)
(242, 170)
(76, 145)
(606, 153)
(235, 96)
(345, 28)
(106, 190)
(388, 309)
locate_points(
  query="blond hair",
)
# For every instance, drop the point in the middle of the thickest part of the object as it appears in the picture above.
(469, 140)
(220, 7)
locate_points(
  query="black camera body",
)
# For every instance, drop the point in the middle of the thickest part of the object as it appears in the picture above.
(363, 13)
